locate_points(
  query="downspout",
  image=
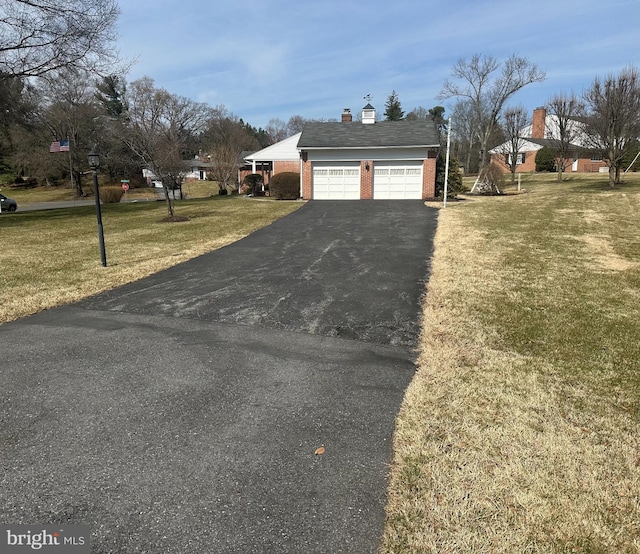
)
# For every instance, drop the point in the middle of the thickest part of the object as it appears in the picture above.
(301, 176)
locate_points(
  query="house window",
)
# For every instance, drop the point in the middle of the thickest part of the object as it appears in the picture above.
(596, 157)
(519, 160)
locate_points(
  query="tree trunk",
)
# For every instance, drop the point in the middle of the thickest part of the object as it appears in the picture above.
(167, 198)
(612, 175)
(560, 168)
(76, 180)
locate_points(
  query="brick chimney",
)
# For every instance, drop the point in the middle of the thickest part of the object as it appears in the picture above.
(346, 116)
(538, 123)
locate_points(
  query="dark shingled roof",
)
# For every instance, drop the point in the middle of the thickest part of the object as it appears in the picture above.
(550, 143)
(382, 134)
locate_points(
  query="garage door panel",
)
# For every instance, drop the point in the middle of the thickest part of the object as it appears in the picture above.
(397, 181)
(336, 182)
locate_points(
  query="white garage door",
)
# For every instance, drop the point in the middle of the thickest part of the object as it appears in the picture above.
(397, 181)
(336, 182)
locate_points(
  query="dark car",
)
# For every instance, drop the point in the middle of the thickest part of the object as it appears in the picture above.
(7, 204)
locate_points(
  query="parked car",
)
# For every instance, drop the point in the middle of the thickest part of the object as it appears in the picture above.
(7, 204)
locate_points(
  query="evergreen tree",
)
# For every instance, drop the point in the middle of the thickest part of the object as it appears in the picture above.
(110, 92)
(393, 111)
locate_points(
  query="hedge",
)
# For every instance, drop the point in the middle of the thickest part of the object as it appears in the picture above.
(285, 186)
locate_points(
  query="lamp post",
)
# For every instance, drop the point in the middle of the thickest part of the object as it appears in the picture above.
(94, 162)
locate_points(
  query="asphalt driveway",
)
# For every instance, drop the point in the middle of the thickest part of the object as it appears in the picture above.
(182, 412)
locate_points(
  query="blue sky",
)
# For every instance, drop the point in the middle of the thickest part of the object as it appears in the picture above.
(265, 59)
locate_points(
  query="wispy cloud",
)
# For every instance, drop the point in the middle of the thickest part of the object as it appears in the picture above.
(275, 58)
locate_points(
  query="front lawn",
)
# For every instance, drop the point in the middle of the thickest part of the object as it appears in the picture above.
(520, 431)
(52, 257)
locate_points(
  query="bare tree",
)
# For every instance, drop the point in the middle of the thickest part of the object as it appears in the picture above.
(613, 120)
(276, 130)
(563, 129)
(464, 131)
(488, 85)
(225, 139)
(515, 119)
(158, 126)
(295, 124)
(417, 113)
(226, 161)
(69, 114)
(41, 36)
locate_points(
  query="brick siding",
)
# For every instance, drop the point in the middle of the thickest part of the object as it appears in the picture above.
(366, 180)
(429, 175)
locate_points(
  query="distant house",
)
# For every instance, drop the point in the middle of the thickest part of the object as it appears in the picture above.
(541, 133)
(194, 170)
(365, 160)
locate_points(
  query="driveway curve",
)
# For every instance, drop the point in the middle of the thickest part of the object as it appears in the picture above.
(183, 412)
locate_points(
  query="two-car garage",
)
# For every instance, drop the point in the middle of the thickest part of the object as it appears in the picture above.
(371, 160)
(390, 181)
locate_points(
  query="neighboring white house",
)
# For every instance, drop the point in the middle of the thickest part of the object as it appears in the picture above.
(195, 170)
(542, 132)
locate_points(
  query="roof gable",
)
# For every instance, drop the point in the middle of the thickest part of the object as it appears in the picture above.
(283, 150)
(384, 134)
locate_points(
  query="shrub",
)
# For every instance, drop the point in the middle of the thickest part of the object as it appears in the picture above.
(251, 182)
(285, 185)
(454, 185)
(545, 159)
(111, 195)
(21, 182)
(7, 179)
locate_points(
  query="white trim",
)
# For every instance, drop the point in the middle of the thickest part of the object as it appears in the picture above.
(285, 150)
(356, 155)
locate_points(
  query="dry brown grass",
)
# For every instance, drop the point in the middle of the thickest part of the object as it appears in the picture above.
(520, 430)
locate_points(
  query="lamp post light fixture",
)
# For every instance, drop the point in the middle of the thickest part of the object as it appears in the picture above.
(94, 162)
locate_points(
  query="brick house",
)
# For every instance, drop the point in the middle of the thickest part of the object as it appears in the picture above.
(277, 158)
(539, 134)
(351, 160)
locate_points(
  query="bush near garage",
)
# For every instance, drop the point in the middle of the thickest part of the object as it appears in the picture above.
(285, 186)
(455, 185)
